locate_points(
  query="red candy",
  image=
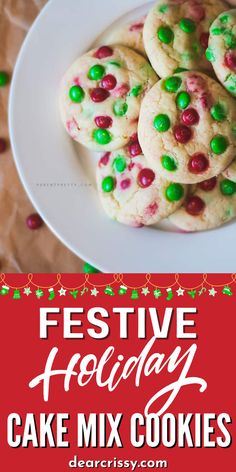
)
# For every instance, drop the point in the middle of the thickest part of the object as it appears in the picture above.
(182, 134)
(198, 163)
(230, 60)
(104, 51)
(99, 95)
(204, 39)
(196, 11)
(104, 159)
(152, 209)
(196, 84)
(146, 178)
(195, 206)
(103, 122)
(135, 149)
(3, 145)
(121, 91)
(136, 27)
(190, 117)
(109, 82)
(208, 185)
(125, 184)
(134, 137)
(34, 221)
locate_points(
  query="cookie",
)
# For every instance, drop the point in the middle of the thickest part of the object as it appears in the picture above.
(212, 204)
(187, 127)
(176, 34)
(221, 51)
(230, 172)
(101, 94)
(131, 192)
(129, 35)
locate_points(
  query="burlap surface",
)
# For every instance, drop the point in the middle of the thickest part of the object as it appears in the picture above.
(22, 250)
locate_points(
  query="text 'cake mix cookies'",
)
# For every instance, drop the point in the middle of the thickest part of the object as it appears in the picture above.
(222, 49)
(129, 35)
(131, 192)
(212, 204)
(187, 127)
(101, 94)
(176, 34)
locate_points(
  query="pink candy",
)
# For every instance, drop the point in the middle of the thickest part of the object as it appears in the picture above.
(196, 11)
(152, 209)
(197, 85)
(121, 91)
(136, 27)
(72, 128)
(104, 159)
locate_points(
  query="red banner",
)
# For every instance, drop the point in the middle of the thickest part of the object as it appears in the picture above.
(117, 371)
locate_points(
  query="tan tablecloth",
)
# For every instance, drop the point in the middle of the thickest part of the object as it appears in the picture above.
(22, 250)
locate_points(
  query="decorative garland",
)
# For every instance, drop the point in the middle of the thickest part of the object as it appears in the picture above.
(116, 286)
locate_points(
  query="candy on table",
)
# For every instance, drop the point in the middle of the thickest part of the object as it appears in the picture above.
(176, 34)
(101, 94)
(131, 192)
(4, 78)
(211, 204)
(221, 51)
(3, 145)
(34, 221)
(187, 127)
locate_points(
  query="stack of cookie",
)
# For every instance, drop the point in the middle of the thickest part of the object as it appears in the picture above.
(166, 128)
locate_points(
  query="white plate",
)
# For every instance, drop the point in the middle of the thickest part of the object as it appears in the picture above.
(46, 157)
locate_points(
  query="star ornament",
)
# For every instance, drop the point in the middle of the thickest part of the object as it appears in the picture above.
(62, 292)
(145, 291)
(27, 291)
(212, 292)
(180, 292)
(94, 292)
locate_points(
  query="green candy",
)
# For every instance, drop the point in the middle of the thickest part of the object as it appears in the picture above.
(210, 55)
(120, 164)
(187, 25)
(230, 39)
(183, 100)
(219, 144)
(180, 69)
(224, 19)
(89, 269)
(4, 78)
(165, 34)
(228, 187)
(168, 163)
(216, 31)
(76, 94)
(162, 123)
(120, 108)
(102, 136)
(114, 63)
(96, 72)
(163, 8)
(172, 84)
(174, 192)
(230, 83)
(136, 91)
(218, 112)
(108, 184)
(196, 47)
